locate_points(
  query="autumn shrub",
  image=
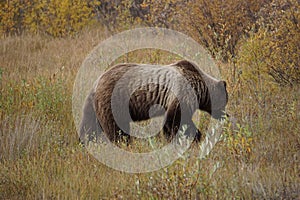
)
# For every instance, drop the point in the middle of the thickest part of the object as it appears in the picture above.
(121, 15)
(53, 17)
(219, 25)
(11, 17)
(272, 54)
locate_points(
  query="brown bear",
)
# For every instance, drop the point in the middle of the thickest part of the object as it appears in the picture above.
(136, 92)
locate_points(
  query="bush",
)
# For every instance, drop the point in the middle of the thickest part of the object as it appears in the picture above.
(219, 25)
(272, 53)
(11, 17)
(56, 18)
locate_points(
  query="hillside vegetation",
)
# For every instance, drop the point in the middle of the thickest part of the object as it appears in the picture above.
(256, 46)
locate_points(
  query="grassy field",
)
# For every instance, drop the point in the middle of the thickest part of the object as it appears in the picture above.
(40, 157)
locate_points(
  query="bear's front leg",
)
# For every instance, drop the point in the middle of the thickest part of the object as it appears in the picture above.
(172, 121)
(172, 127)
(192, 131)
(177, 117)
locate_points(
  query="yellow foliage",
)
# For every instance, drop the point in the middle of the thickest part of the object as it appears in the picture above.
(59, 17)
(54, 17)
(10, 16)
(272, 53)
(239, 141)
(220, 24)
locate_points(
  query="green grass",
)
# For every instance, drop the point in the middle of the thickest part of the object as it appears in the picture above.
(40, 157)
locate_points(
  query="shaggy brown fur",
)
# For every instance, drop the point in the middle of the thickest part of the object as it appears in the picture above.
(145, 86)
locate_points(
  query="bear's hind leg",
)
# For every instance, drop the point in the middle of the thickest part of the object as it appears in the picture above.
(89, 127)
(117, 135)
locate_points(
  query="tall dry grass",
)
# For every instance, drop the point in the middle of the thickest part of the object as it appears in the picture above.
(41, 158)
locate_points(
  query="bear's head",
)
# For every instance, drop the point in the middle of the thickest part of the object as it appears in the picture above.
(213, 101)
(218, 99)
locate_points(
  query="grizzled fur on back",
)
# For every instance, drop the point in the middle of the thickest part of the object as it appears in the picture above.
(127, 92)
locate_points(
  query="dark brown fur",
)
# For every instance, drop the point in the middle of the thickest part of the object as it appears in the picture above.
(211, 96)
